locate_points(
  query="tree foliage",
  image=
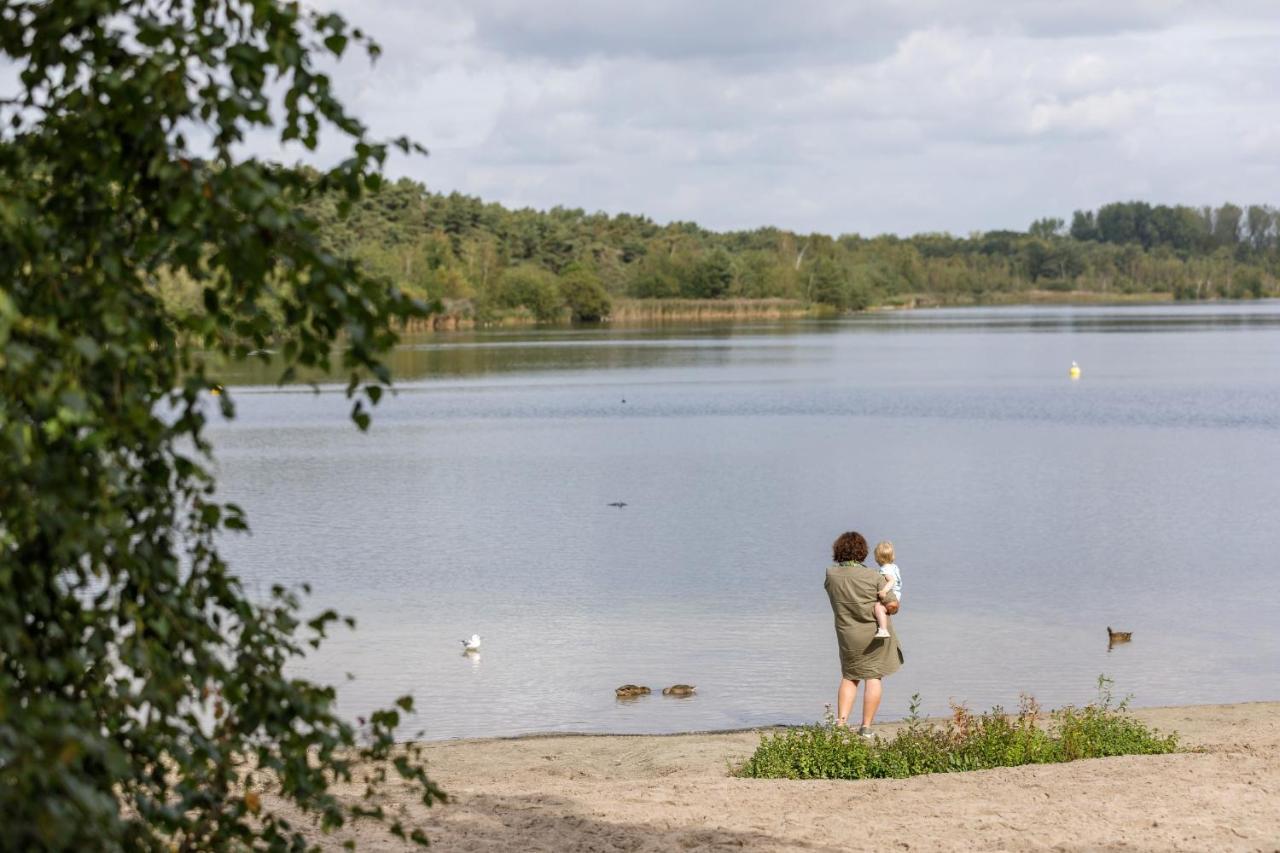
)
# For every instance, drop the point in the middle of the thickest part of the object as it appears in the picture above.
(584, 294)
(532, 287)
(144, 698)
(457, 248)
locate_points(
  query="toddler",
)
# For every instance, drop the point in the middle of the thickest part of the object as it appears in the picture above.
(892, 581)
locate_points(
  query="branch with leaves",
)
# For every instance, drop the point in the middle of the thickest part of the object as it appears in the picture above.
(144, 699)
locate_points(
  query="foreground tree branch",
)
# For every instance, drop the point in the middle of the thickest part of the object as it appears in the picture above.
(144, 701)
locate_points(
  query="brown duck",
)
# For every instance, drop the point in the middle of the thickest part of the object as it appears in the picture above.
(631, 691)
(679, 690)
(1117, 637)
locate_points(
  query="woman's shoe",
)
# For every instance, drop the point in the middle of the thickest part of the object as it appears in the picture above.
(865, 733)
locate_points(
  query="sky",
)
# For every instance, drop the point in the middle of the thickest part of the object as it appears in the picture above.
(837, 116)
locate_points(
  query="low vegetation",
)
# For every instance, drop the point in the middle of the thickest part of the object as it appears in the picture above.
(966, 741)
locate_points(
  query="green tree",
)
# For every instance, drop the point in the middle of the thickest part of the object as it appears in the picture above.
(1046, 228)
(1261, 224)
(585, 295)
(828, 283)
(712, 276)
(1117, 223)
(534, 288)
(1227, 225)
(144, 700)
(1083, 226)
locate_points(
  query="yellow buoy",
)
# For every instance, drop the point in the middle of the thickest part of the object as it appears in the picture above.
(1074, 372)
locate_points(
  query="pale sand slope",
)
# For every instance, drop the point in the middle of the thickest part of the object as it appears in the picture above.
(674, 793)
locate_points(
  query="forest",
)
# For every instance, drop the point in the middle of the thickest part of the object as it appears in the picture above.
(480, 262)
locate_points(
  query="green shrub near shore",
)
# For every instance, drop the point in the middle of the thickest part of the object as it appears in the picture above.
(964, 742)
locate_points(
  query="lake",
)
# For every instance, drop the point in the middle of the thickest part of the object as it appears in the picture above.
(1029, 512)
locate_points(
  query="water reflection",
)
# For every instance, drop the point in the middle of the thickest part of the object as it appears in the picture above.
(502, 351)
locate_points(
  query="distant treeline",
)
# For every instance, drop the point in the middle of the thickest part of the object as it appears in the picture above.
(484, 261)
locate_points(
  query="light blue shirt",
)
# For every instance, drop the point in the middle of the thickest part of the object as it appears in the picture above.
(892, 570)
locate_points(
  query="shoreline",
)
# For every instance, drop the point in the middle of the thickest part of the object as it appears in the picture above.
(601, 792)
(649, 312)
(882, 725)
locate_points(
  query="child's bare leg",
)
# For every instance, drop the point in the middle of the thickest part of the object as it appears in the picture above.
(882, 619)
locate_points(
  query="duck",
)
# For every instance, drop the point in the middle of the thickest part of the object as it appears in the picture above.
(1118, 636)
(679, 690)
(631, 691)
(472, 645)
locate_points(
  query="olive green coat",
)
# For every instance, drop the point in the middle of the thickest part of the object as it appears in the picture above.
(852, 589)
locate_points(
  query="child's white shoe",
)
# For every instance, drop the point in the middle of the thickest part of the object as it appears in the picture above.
(881, 633)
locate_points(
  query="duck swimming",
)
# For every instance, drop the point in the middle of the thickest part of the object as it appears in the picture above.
(679, 690)
(1114, 638)
(631, 691)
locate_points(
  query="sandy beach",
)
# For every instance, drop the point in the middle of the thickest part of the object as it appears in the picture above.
(641, 793)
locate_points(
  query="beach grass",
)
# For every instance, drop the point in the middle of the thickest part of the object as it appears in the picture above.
(966, 741)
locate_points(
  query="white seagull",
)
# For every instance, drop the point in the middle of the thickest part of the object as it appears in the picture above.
(472, 645)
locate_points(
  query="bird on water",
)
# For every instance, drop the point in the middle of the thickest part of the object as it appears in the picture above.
(1115, 638)
(631, 691)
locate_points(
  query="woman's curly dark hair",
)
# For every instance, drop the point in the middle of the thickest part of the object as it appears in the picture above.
(849, 548)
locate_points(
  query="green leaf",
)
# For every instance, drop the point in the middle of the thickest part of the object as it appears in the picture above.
(337, 44)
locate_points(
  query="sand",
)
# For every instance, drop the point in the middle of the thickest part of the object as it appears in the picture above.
(605, 793)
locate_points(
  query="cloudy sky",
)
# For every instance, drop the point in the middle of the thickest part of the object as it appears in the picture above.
(831, 115)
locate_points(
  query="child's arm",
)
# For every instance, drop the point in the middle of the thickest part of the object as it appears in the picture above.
(888, 585)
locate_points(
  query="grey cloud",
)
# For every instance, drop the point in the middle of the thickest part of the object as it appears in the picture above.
(868, 117)
(738, 32)
(756, 32)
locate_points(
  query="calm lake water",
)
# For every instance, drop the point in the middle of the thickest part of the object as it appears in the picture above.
(1029, 512)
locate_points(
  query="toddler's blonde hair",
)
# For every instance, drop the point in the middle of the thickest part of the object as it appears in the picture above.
(884, 552)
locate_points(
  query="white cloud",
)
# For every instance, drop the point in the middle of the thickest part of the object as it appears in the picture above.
(1097, 113)
(1085, 72)
(834, 115)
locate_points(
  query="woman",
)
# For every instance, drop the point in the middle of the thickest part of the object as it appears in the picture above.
(852, 589)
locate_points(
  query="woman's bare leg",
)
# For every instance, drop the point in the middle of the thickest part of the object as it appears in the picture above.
(844, 700)
(870, 700)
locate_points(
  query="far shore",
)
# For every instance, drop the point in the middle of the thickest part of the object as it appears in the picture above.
(676, 792)
(638, 312)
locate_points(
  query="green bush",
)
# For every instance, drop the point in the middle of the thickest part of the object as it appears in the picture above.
(965, 742)
(585, 295)
(533, 288)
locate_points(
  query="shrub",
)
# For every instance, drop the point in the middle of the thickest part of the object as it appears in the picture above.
(965, 742)
(585, 295)
(534, 288)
